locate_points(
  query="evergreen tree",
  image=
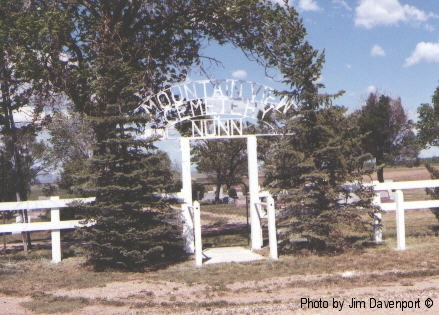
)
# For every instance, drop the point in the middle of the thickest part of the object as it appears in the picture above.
(123, 57)
(317, 170)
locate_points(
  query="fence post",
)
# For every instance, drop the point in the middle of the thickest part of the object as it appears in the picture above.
(253, 183)
(56, 234)
(188, 229)
(400, 224)
(378, 219)
(272, 238)
(197, 232)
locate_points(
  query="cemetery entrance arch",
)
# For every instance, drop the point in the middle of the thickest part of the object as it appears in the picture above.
(216, 109)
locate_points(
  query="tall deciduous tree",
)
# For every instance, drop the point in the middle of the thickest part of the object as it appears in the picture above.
(226, 160)
(428, 123)
(71, 140)
(22, 87)
(387, 131)
(428, 136)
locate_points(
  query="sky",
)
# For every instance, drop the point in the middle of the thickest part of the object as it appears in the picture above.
(388, 46)
(385, 46)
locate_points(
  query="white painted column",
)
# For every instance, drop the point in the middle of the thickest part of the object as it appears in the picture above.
(186, 169)
(253, 178)
(272, 237)
(188, 225)
(400, 221)
(378, 221)
(55, 234)
(197, 232)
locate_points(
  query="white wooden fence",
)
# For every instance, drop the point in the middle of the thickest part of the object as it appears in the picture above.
(400, 205)
(267, 210)
(192, 226)
(55, 225)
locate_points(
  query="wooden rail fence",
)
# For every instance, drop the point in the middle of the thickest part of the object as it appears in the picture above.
(55, 225)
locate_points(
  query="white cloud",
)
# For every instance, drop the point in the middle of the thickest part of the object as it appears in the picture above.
(429, 27)
(308, 5)
(424, 52)
(371, 89)
(239, 74)
(280, 2)
(377, 50)
(371, 13)
(343, 3)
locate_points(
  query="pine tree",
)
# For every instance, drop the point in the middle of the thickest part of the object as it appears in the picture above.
(132, 228)
(315, 169)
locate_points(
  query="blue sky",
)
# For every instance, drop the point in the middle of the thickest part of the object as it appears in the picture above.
(389, 46)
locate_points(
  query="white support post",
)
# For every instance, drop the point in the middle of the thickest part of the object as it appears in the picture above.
(186, 169)
(272, 238)
(188, 229)
(197, 232)
(253, 178)
(188, 226)
(378, 219)
(400, 224)
(56, 234)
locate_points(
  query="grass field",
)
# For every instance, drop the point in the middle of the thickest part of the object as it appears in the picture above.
(33, 285)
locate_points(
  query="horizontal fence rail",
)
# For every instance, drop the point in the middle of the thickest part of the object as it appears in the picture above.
(42, 204)
(55, 225)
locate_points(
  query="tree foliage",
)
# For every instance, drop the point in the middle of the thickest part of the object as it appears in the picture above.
(428, 122)
(107, 56)
(22, 89)
(428, 136)
(226, 160)
(388, 132)
(317, 170)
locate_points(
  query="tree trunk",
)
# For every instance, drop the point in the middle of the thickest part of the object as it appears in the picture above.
(380, 174)
(4, 234)
(217, 193)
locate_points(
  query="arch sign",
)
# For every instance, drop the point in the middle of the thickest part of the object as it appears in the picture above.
(217, 109)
